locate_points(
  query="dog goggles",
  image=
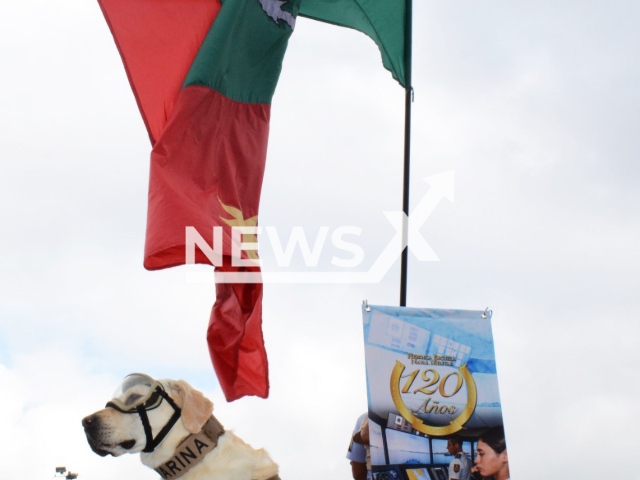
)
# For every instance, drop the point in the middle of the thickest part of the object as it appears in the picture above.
(140, 393)
(137, 390)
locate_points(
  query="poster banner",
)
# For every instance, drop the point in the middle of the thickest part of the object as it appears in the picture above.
(431, 377)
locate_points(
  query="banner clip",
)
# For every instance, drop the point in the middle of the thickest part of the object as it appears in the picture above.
(367, 308)
(487, 313)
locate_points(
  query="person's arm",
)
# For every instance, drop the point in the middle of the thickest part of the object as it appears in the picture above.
(357, 453)
(358, 470)
(455, 469)
(362, 435)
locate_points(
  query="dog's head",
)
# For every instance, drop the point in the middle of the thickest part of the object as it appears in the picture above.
(119, 428)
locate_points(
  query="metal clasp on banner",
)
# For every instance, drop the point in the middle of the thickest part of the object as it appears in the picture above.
(487, 313)
(367, 308)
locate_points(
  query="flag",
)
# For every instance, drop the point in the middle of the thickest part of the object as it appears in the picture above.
(203, 73)
(382, 20)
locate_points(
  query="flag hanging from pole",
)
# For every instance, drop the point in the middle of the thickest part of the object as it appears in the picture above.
(203, 73)
(383, 21)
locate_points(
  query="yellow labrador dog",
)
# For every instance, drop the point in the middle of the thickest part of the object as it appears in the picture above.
(172, 426)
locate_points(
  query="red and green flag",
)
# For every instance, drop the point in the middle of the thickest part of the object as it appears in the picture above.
(203, 73)
(382, 20)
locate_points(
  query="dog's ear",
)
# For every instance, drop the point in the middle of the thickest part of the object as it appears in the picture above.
(196, 408)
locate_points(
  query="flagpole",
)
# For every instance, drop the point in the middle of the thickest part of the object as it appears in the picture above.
(405, 181)
(407, 149)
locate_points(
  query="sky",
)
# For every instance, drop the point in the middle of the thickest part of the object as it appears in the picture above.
(534, 105)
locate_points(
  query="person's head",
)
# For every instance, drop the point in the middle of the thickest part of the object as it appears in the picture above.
(454, 445)
(492, 454)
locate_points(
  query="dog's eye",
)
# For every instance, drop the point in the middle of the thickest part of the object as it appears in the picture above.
(132, 398)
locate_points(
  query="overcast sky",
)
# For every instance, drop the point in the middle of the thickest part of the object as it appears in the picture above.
(534, 105)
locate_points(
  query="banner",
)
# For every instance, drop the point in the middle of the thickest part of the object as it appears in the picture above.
(431, 377)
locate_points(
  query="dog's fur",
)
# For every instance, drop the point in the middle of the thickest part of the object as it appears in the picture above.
(110, 432)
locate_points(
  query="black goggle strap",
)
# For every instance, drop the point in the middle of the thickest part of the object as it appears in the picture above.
(152, 443)
(116, 407)
(147, 428)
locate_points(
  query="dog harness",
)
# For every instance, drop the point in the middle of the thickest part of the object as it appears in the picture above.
(192, 450)
(140, 404)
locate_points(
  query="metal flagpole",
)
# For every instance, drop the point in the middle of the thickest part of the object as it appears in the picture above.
(407, 148)
(405, 188)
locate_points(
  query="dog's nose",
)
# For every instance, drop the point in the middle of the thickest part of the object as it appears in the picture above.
(89, 421)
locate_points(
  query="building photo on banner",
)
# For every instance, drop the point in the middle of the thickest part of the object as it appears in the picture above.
(266, 139)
